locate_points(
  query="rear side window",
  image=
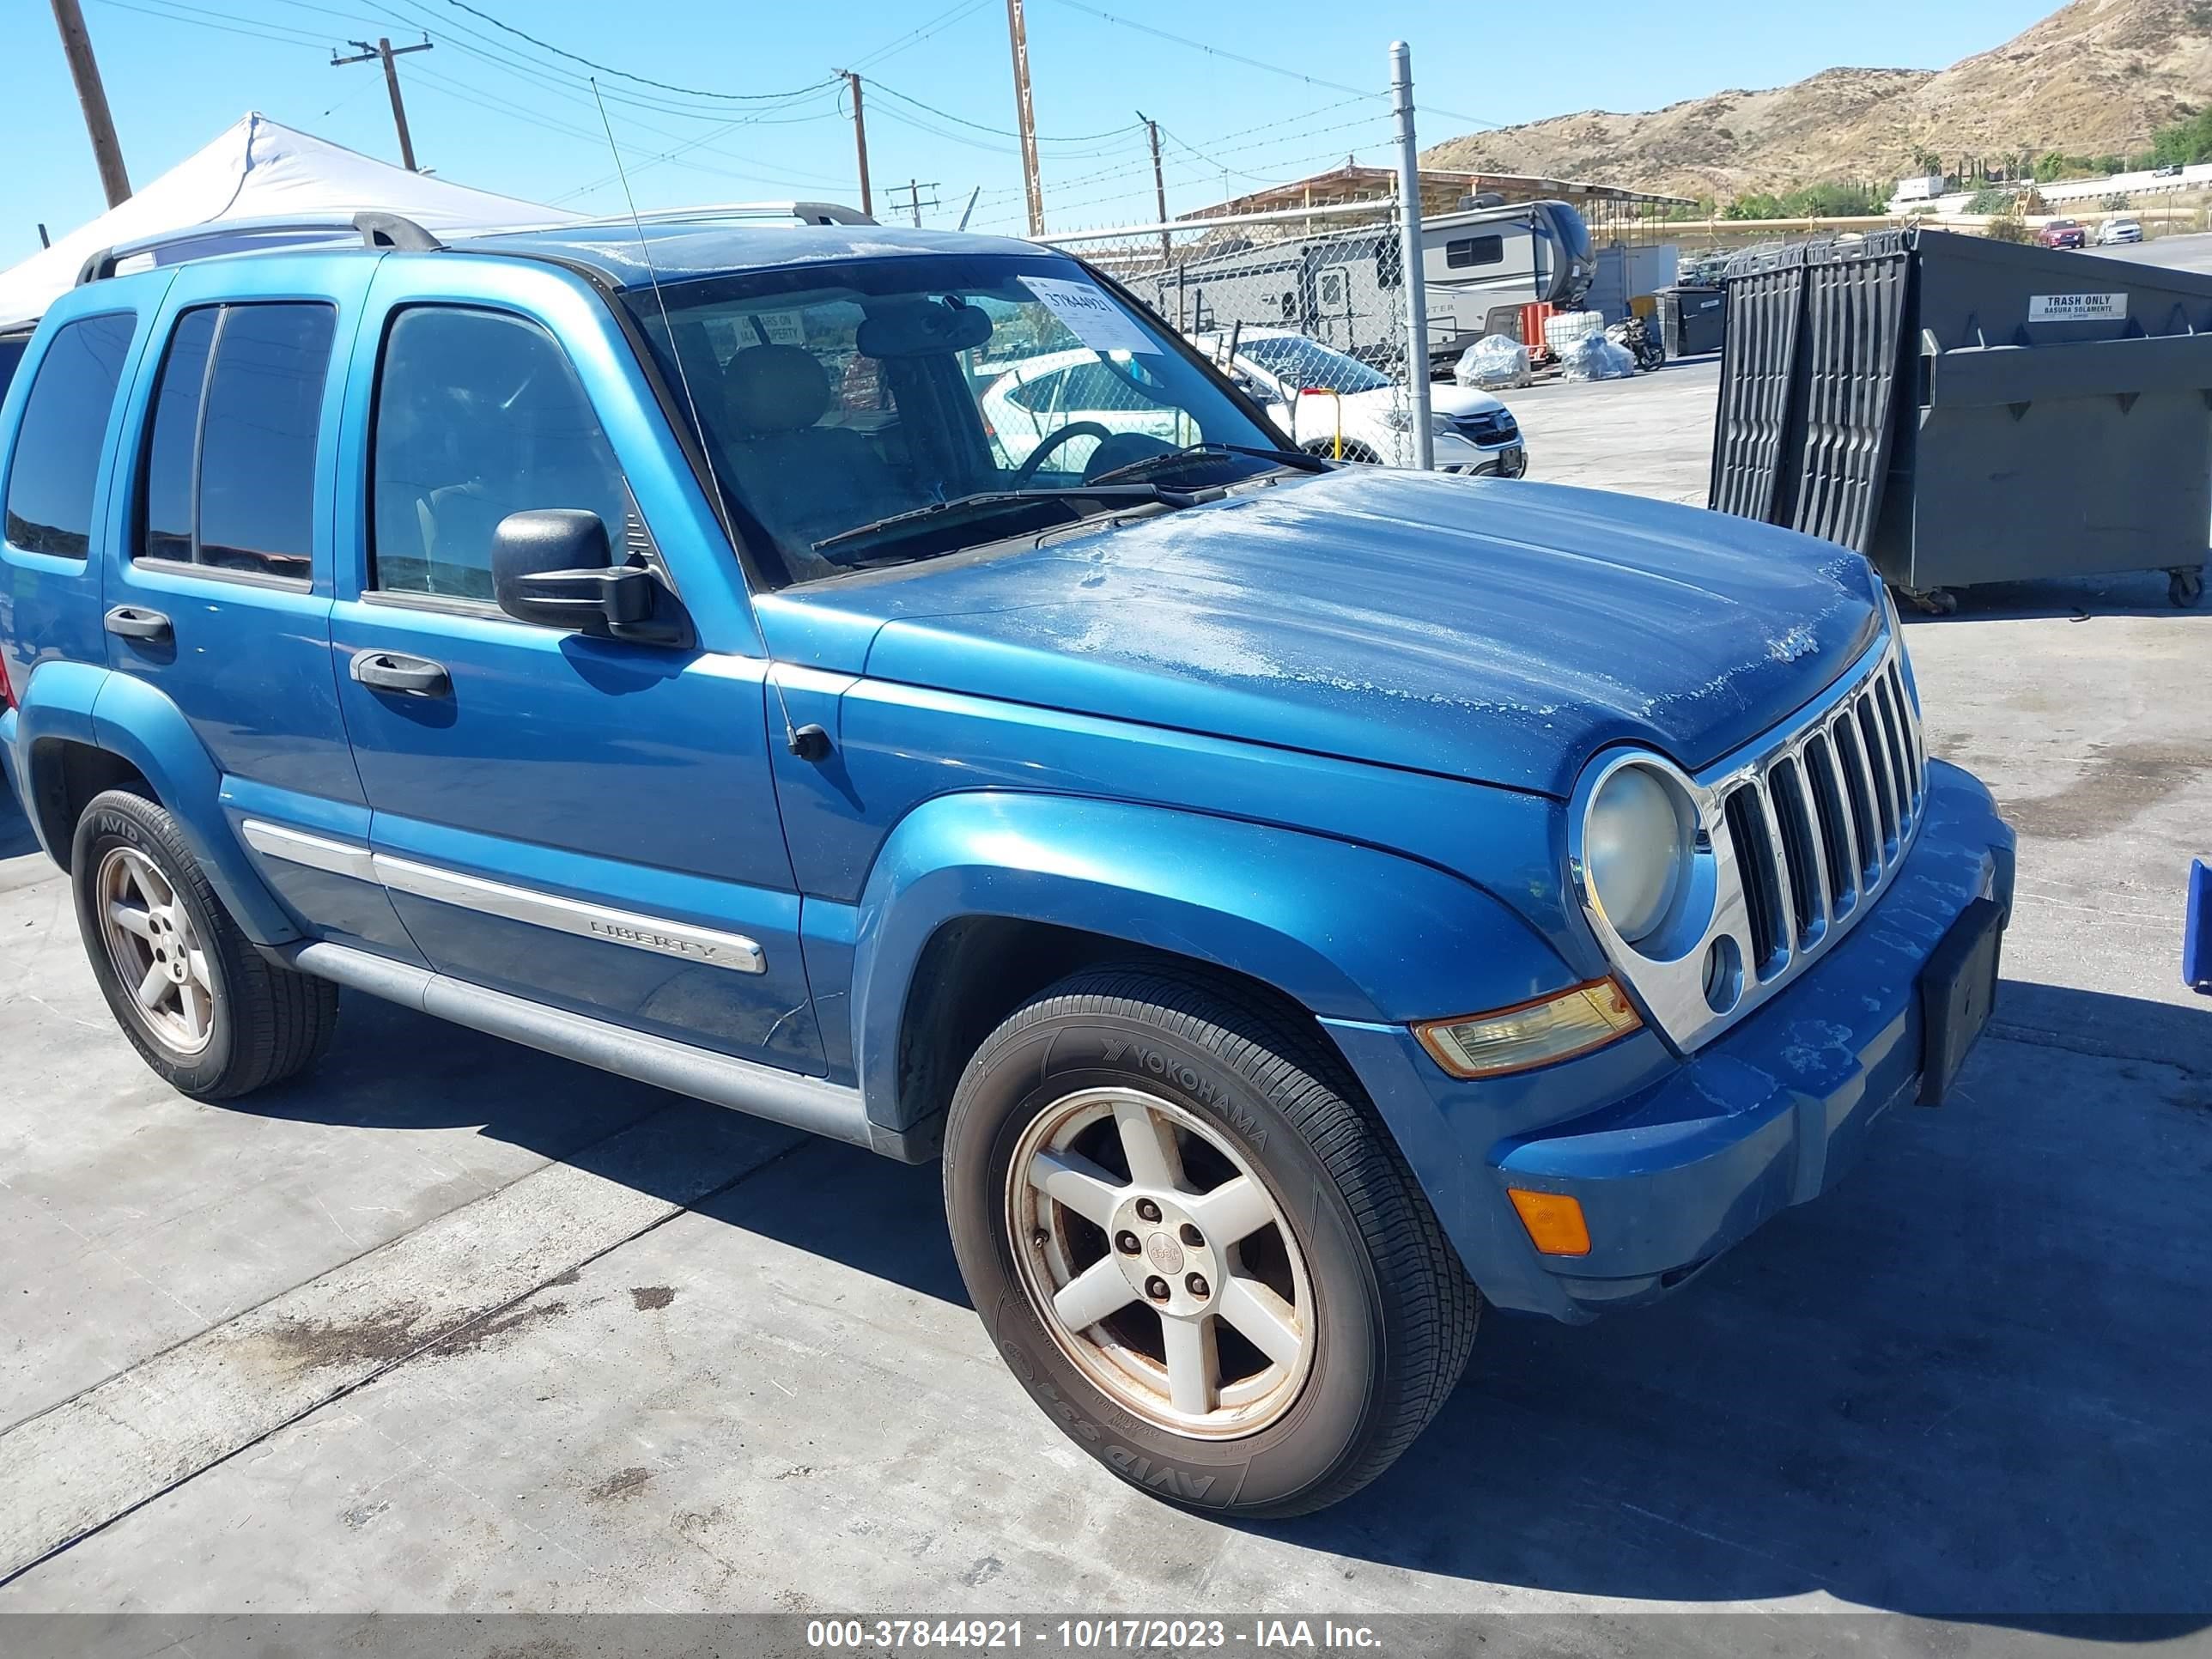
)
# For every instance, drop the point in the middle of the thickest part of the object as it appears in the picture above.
(12, 348)
(478, 414)
(230, 457)
(57, 464)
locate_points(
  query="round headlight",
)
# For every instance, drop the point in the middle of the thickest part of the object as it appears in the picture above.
(1636, 850)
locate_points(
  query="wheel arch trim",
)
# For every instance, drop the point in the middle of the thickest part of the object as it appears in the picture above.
(129, 718)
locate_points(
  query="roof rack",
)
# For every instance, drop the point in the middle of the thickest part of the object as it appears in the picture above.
(806, 213)
(376, 230)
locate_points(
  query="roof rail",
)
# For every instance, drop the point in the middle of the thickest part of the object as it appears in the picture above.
(806, 213)
(391, 230)
(377, 230)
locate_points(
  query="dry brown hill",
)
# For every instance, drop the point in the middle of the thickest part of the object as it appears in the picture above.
(2093, 77)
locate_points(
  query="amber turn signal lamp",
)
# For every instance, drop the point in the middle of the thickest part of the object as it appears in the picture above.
(1554, 1221)
(1530, 1034)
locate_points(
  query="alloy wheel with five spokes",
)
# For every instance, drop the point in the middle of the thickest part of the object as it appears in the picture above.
(155, 951)
(1160, 1263)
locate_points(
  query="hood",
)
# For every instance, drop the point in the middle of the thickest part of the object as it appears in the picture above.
(1498, 632)
(1447, 399)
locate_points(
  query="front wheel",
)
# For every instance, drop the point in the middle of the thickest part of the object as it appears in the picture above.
(1195, 1246)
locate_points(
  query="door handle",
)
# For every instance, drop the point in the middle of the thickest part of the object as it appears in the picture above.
(413, 677)
(130, 622)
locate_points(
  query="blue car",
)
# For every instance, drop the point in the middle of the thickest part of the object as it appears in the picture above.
(1300, 904)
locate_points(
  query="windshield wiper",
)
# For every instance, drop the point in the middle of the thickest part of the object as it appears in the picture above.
(1207, 450)
(985, 502)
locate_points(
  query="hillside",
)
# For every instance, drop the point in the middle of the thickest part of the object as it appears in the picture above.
(2094, 76)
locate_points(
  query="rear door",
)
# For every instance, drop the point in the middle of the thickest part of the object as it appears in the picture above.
(218, 589)
(57, 471)
(586, 822)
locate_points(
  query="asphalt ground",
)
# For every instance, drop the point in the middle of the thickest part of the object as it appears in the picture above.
(450, 1327)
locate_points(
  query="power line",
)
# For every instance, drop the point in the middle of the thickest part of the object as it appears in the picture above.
(290, 38)
(923, 31)
(1000, 132)
(643, 81)
(1211, 50)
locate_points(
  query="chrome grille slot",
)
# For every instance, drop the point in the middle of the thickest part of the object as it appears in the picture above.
(1858, 795)
(1885, 781)
(1908, 734)
(1893, 743)
(1842, 858)
(1761, 874)
(1804, 827)
(1800, 849)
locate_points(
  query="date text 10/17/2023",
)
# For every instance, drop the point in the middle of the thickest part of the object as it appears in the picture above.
(1089, 1635)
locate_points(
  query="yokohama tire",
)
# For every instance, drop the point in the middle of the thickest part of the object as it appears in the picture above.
(1389, 1311)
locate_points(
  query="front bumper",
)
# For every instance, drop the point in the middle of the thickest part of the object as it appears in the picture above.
(1506, 460)
(1675, 1160)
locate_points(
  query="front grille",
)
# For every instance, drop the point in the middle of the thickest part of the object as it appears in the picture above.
(1798, 834)
(1489, 428)
(1819, 824)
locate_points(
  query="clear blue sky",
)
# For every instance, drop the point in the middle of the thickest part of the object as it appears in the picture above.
(491, 110)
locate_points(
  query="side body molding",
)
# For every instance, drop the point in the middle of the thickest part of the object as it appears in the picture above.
(1348, 931)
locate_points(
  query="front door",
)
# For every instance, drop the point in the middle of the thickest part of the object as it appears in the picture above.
(586, 822)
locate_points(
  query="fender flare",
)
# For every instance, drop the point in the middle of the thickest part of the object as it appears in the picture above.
(134, 719)
(55, 705)
(1347, 932)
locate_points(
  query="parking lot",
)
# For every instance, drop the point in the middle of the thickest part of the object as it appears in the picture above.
(452, 1326)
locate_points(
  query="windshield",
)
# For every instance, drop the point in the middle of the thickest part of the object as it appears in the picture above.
(835, 397)
(1299, 363)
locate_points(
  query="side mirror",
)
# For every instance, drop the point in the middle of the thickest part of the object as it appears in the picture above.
(553, 566)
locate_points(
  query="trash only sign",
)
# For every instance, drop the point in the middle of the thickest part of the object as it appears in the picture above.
(2077, 307)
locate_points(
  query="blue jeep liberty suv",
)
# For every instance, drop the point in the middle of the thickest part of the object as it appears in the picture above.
(1299, 903)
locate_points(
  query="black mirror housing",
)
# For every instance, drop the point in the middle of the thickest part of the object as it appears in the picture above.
(554, 567)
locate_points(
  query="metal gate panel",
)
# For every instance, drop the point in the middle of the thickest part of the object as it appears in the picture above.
(1759, 358)
(1853, 318)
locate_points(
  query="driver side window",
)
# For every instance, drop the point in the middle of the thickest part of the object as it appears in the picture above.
(478, 414)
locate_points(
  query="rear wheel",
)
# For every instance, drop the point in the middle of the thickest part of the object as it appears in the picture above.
(1196, 1247)
(202, 1007)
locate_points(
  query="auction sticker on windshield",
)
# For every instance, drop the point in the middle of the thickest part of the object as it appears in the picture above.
(1090, 315)
(2077, 307)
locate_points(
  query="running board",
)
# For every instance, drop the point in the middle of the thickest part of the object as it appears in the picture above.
(811, 1103)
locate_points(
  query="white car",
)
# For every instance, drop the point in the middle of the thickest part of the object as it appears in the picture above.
(1025, 404)
(2118, 230)
(1316, 393)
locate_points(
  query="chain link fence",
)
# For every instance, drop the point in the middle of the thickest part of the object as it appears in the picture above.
(1306, 310)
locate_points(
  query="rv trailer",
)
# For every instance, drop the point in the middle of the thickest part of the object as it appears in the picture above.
(1343, 287)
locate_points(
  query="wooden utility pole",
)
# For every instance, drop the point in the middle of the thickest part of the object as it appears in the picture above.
(1159, 184)
(860, 142)
(1025, 116)
(913, 202)
(99, 124)
(384, 51)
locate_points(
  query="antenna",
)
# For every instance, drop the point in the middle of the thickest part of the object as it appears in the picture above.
(808, 742)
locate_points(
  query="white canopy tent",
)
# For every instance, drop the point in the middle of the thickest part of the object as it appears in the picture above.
(260, 170)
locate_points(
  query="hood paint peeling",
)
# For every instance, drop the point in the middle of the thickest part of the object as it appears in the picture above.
(1495, 631)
